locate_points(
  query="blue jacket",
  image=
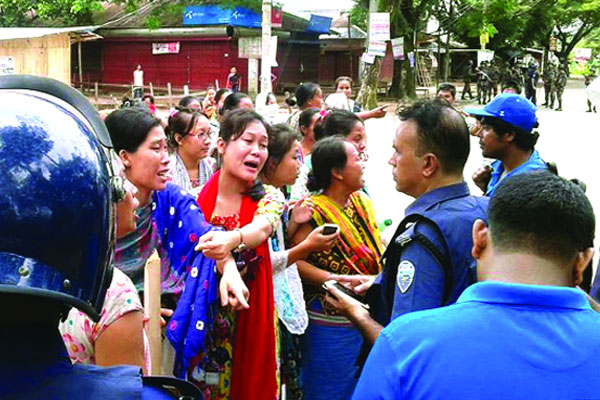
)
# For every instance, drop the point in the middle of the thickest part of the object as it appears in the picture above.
(428, 263)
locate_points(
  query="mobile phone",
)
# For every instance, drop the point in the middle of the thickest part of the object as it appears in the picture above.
(330, 229)
(345, 290)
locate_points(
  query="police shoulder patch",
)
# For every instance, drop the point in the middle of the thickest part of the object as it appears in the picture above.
(406, 275)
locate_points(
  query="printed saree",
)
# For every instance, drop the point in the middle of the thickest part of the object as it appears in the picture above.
(253, 375)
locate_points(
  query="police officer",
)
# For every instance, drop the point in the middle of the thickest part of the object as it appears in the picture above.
(56, 242)
(531, 81)
(428, 262)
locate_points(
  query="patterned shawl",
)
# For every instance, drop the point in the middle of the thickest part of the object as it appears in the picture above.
(360, 255)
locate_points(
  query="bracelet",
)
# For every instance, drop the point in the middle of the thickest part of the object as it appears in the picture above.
(241, 246)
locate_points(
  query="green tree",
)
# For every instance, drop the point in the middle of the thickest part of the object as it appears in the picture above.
(407, 19)
(89, 12)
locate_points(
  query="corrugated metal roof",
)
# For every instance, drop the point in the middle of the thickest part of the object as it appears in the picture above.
(30, 33)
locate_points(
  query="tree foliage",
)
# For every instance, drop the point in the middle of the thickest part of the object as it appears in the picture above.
(89, 12)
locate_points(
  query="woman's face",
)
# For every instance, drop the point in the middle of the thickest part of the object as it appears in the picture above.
(194, 105)
(197, 142)
(358, 137)
(126, 219)
(316, 101)
(246, 103)
(352, 173)
(245, 156)
(210, 94)
(309, 131)
(288, 169)
(148, 167)
(344, 87)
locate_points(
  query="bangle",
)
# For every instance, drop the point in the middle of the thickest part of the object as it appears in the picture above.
(241, 246)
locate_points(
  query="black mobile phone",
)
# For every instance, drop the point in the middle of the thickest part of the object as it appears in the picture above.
(330, 229)
(345, 290)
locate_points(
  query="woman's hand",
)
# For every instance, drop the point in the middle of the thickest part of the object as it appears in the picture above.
(316, 241)
(359, 283)
(218, 244)
(302, 211)
(232, 289)
(164, 312)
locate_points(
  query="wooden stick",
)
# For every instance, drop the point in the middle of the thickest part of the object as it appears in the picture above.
(152, 306)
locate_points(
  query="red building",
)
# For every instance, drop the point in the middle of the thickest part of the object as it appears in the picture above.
(198, 56)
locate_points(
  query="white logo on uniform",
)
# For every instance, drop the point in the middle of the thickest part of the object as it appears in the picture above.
(406, 275)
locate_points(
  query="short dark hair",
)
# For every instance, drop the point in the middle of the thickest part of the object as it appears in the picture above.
(148, 96)
(236, 121)
(305, 92)
(523, 140)
(441, 130)
(186, 101)
(328, 154)
(541, 213)
(447, 87)
(233, 100)
(336, 122)
(280, 142)
(128, 127)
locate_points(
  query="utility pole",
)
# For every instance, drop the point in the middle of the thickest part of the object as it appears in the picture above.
(265, 64)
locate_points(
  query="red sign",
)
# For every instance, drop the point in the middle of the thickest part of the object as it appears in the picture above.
(276, 17)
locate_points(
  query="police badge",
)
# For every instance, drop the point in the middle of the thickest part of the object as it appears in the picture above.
(406, 275)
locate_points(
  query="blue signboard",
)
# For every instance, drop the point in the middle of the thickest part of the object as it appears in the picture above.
(318, 24)
(215, 15)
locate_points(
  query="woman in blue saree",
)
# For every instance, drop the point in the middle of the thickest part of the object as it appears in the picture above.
(170, 222)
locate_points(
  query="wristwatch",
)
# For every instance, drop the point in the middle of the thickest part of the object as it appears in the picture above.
(241, 246)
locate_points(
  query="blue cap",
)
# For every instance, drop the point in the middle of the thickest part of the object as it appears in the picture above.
(510, 108)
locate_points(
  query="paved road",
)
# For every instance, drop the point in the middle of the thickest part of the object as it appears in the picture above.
(570, 138)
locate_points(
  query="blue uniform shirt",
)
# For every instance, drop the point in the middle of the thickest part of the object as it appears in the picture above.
(499, 341)
(421, 279)
(533, 163)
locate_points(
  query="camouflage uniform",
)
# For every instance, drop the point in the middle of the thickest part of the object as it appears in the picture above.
(549, 76)
(468, 76)
(559, 87)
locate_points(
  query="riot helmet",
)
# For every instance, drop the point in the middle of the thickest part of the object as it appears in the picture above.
(57, 194)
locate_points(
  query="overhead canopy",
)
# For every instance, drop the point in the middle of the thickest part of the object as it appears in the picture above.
(80, 33)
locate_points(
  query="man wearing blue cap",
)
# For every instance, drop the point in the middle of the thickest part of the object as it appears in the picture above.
(506, 135)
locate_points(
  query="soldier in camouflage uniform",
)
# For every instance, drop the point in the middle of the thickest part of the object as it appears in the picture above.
(549, 76)
(468, 78)
(559, 86)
